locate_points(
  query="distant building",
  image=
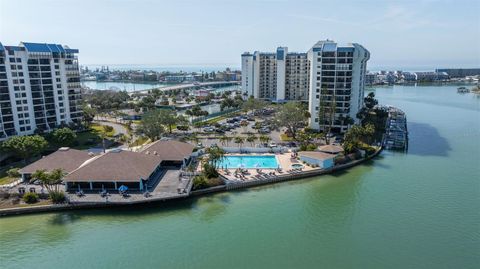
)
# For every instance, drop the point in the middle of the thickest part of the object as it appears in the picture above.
(409, 77)
(460, 72)
(179, 78)
(39, 88)
(431, 76)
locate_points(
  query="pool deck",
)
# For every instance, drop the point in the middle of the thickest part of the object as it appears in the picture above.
(284, 161)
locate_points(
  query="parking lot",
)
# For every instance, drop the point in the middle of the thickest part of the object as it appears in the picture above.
(258, 124)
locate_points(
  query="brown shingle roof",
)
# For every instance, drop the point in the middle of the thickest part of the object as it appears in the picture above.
(65, 158)
(316, 155)
(123, 166)
(331, 148)
(169, 150)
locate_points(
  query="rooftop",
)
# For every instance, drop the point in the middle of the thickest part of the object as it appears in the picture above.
(316, 155)
(331, 149)
(169, 150)
(66, 159)
(124, 166)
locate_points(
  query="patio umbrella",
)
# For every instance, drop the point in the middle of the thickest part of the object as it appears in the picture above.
(123, 188)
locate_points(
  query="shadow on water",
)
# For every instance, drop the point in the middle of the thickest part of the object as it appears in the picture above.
(207, 206)
(424, 140)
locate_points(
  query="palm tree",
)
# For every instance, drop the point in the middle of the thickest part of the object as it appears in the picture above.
(239, 141)
(215, 155)
(264, 139)
(229, 139)
(251, 139)
(223, 139)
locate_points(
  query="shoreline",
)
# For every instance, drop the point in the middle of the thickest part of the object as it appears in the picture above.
(15, 211)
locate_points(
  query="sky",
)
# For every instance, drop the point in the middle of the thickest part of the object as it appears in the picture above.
(410, 34)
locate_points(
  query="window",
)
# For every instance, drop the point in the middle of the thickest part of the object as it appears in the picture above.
(12, 60)
(19, 60)
(13, 67)
(57, 66)
(59, 86)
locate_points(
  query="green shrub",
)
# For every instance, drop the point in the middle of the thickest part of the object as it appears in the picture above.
(199, 182)
(57, 196)
(30, 197)
(311, 147)
(209, 171)
(107, 128)
(13, 172)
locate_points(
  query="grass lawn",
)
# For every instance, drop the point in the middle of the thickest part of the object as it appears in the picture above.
(285, 137)
(4, 178)
(99, 129)
(140, 141)
(87, 139)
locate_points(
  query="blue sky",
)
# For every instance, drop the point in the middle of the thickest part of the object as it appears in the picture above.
(414, 34)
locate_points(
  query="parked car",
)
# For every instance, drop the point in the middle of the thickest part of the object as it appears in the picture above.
(273, 144)
(264, 130)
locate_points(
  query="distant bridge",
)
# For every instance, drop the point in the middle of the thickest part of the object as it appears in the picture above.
(193, 86)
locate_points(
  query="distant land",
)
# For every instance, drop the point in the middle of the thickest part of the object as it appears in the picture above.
(236, 66)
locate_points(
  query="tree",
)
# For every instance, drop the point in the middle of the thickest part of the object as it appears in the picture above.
(215, 155)
(292, 116)
(224, 140)
(14, 173)
(25, 146)
(169, 118)
(88, 115)
(252, 103)
(64, 136)
(51, 181)
(227, 103)
(148, 102)
(264, 139)
(151, 125)
(239, 141)
(251, 139)
(370, 102)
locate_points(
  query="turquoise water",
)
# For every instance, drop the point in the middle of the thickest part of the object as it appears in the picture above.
(249, 161)
(418, 209)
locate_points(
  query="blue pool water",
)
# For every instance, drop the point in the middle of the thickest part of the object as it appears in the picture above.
(249, 161)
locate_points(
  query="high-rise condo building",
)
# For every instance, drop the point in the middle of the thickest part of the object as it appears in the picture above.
(337, 82)
(329, 76)
(39, 88)
(276, 76)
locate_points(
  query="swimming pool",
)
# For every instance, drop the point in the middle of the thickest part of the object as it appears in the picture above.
(249, 161)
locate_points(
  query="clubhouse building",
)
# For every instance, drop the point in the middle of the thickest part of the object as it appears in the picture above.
(109, 171)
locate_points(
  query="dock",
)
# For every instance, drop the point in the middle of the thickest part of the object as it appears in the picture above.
(396, 136)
